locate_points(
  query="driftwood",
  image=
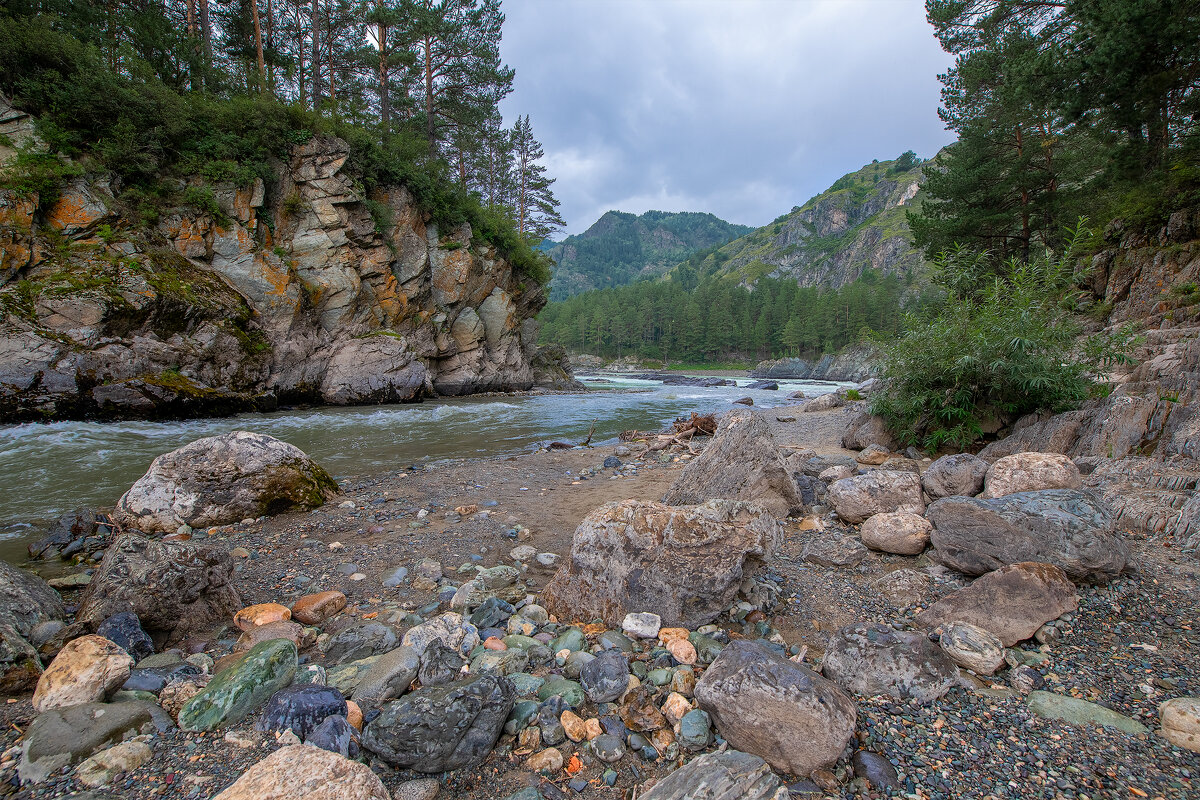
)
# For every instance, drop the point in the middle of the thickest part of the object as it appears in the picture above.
(704, 424)
(633, 435)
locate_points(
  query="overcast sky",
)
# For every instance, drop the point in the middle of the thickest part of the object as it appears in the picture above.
(743, 108)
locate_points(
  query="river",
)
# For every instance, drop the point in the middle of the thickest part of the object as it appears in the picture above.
(47, 469)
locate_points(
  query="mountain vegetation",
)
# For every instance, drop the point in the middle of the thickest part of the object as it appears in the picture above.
(153, 92)
(620, 248)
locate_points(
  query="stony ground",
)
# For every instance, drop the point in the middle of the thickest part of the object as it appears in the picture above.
(1130, 646)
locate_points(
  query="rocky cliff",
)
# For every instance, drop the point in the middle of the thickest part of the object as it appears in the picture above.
(859, 223)
(301, 290)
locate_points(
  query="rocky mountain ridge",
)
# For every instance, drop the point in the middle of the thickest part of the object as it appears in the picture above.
(304, 290)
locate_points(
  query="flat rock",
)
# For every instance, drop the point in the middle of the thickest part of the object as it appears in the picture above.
(86, 670)
(730, 775)
(1030, 472)
(687, 563)
(389, 677)
(64, 736)
(959, 475)
(1081, 712)
(857, 498)
(872, 659)
(303, 771)
(779, 710)
(834, 551)
(261, 614)
(236, 692)
(1011, 603)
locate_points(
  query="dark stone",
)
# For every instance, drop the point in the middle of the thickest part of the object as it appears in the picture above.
(605, 677)
(492, 612)
(767, 386)
(731, 775)
(153, 679)
(361, 640)
(442, 728)
(812, 491)
(439, 665)
(872, 659)
(336, 735)
(69, 528)
(390, 676)
(876, 769)
(612, 462)
(125, 631)
(301, 708)
(744, 401)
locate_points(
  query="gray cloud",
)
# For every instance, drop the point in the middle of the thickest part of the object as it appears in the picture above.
(744, 108)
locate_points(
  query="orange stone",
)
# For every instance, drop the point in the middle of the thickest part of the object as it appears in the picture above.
(683, 650)
(594, 628)
(492, 643)
(261, 614)
(668, 634)
(283, 629)
(354, 715)
(313, 609)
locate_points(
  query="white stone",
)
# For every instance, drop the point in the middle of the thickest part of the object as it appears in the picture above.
(643, 625)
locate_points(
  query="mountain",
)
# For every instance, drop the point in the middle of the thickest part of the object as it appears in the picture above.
(859, 223)
(620, 248)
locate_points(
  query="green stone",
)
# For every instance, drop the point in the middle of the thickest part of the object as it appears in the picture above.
(525, 683)
(125, 696)
(570, 691)
(517, 642)
(236, 692)
(571, 639)
(640, 669)
(519, 718)
(615, 639)
(707, 649)
(1081, 712)
(694, 730)
(347, 676)
(659, 677)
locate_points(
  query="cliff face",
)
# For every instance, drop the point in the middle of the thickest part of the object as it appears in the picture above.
(299, 291)
(859, 223)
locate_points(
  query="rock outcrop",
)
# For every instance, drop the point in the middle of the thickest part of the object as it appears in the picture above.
(686, 563)
(855, 362)
(301, 290)
(26, 601)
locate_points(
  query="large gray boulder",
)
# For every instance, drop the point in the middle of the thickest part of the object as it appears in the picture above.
(774, 708)
(1070, 528)
(961, 474)
(742, 462)
(866, 430)
(223, 479)
(731, 775)
(872, 659)
(1030, 472)
(26, 601)
(860, 497)
(442, 728)
(684, 563)
(64, 736)
(174, 588)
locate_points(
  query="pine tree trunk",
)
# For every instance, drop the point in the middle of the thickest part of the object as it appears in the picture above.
(329, 50)
(271, 43)
(258, 45)
(384, 100)
(430, 130)
(206, 39)
(316, 55)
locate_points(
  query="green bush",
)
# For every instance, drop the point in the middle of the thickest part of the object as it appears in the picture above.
(1003, 345)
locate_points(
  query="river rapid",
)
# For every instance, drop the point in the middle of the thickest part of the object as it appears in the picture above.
(48, 469)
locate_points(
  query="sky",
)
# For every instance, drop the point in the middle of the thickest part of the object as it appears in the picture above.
(742, 108)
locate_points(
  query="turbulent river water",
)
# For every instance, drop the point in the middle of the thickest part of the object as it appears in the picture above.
(49, 469)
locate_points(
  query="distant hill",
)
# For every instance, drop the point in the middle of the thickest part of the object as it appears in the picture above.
(621, 248)
(857, 224)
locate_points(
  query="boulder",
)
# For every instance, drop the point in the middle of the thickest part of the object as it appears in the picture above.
(1081, 712)
(957, 475)
(174, 588)
(300, 770)
(26, 601)
(125, 631)
(973, 648)
(1072, 529)
(1011, 603)
(86, 670)
(873, 455)
(860, 497)
(442, 728)
(237, 691)
(1030, 472)
(730, 775)
(450, 629)
(361, 640)
(776, 709)
(1180, 721)
(63, 736)
(687, 563)
(742, 462)
(872, 659)
(222, 479)
(866, 430)
(389, 676)
(898, 532)
(301, 709)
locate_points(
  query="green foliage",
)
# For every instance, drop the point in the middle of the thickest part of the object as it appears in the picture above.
(1002, 345)
(203, 199)
(40, 175)
(853, 394)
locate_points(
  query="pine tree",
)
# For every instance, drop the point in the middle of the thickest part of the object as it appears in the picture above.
(536, 207)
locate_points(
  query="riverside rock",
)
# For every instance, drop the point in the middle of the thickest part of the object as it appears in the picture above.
(334, 734)
(1011, 603)
(26, 601)
(313, 609)
(84, 671)
(174, 588)
(222, 479)
(442, 728)
(254, 616)
(898, 532)
(361, 640)
(450, 629)
(390, 676)
(972, 647)
(101, 768)
(764, 704)
(1072, 529)
(1030, 472)
(730, 775)
(63, 736)
(960, 474)
(857, 498)
(605, 677)
(742, 462)
(301, 709)
(872, 659)
(125, 631)
(1081, 712)
(641, 625)
(687, 563)
(303, 771)
(1180, 721)
(235, 692)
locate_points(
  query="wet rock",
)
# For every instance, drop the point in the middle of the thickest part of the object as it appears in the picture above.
(238, 691)
(223, 479)
(26, 603)
(442, 728)
(972, 647)
(775, 708)
(1073, 529)
(876, 770)
(313, 609)
(153, 679)
(389, 677)
(449, 628)
(174, 588)
(439, 665)
(125, 631)
(100, 769)
(961, 475)
(64, 736)
(1180, 721)
(301, 709)
(731, 775)
(1030, 472)
(605, 677)
(303, 771)
(63, 533)
(1011, 603)
(361, 640)
(872, 659)
(832, 550)
(84, 671)
(860, 497)
(1081, 712)
(686, 563)
(334, 734)
(899, 532)
(253, 616)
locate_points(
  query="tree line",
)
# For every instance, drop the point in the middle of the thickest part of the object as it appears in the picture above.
(424, 77)
(720, 320)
